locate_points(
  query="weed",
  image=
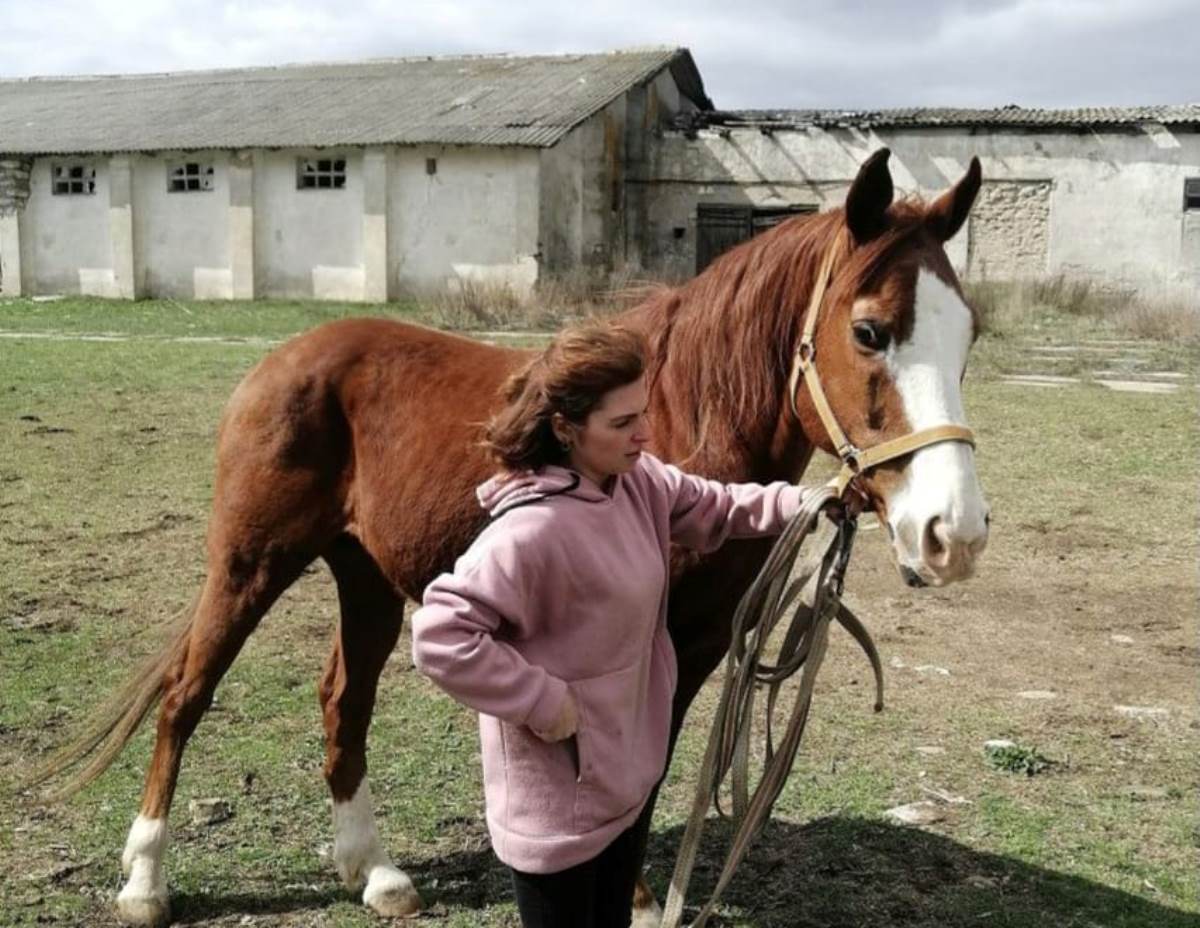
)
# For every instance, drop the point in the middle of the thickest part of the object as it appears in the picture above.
(1014, 758)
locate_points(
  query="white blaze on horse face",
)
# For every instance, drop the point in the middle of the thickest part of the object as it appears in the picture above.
(143, 899)
(938, 515)
(361, 859)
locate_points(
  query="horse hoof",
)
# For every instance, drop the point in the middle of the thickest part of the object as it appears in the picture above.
(143, 911)
(391, 894)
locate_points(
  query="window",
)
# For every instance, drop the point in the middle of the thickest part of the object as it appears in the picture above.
(1191, 194)
(719, 227)
(191, 175)
(320, 173)
(67, 179)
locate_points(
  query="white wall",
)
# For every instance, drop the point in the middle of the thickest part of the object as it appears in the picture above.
(181, 241)
(475, 218)
(66, 245)
(1113, 200)
(307, 243)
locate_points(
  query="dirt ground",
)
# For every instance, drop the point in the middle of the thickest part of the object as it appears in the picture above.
(1078, 638)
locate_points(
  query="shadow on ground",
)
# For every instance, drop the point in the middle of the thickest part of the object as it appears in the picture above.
(849, 871)
(830, 873)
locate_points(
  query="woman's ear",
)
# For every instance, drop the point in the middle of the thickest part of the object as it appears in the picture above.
(561, 428)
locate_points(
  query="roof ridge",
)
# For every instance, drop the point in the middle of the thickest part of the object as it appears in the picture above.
(347, 63)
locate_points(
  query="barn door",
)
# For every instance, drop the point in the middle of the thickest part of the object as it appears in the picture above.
(719, 227)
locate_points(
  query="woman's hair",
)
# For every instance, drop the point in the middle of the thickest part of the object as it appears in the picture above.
(570, 377)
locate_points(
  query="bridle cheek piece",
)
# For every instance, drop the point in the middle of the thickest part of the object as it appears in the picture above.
(855, 461)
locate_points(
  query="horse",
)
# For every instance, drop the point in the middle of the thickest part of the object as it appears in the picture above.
(358, 443)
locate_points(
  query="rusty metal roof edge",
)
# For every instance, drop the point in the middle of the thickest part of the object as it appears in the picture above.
(951, 117)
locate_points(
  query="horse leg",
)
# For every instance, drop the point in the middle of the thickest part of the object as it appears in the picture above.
(371, 614)
(697, 655)
(647, 913)
(236, 595)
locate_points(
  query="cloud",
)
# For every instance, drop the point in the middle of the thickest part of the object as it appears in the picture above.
(758, 53)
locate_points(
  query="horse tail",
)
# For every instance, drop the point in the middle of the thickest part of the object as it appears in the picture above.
(115, 723)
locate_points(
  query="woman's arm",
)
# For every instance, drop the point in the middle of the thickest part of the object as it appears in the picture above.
(454, 641)
(707, 513)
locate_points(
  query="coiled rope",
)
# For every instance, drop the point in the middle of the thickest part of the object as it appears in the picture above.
(766, 603)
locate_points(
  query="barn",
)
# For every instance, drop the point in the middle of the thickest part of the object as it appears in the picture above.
(364, 181)
(376, 180)
(1110, 195)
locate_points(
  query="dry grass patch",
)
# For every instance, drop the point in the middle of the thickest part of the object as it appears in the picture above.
(1006, 307)
(553, 303)
(1168, 319)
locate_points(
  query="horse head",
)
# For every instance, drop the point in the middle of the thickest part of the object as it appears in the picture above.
(890, 347)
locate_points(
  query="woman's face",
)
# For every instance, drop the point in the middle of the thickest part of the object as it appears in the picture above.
(613, 435)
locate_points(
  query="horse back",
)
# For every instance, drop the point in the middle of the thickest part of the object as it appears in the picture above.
(372, 428)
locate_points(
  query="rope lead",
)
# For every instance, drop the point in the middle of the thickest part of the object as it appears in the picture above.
(760, 611)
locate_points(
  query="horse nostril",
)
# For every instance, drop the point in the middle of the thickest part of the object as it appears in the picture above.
(987, 519)
(935, 549)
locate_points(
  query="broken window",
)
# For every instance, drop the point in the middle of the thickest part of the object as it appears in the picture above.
(320, 173)
(1191, 194)
(72, 178)
(190, 175)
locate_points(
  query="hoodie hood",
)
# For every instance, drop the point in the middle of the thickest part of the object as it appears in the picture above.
(507, 491)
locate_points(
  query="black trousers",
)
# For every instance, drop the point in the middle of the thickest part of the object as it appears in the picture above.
(597, 893)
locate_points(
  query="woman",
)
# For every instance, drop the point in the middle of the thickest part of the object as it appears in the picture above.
(553, 623)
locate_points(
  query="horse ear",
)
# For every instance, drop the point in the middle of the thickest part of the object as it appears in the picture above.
(869, 197)
(948, 212)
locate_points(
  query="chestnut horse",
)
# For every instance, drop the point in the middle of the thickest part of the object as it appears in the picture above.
(358, 443)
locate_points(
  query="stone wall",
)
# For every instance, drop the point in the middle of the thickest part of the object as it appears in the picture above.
(1009, 230)
(14, 184)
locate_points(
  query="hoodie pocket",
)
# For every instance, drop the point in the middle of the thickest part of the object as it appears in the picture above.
(540, 782)
(614, 773)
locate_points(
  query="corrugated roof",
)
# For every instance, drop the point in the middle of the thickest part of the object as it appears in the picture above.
(1015, 117)
(480, 100)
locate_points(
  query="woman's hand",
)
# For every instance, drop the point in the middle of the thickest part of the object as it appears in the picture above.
(850, 506)
(564, 726)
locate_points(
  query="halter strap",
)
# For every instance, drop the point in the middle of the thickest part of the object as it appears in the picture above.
(855, 460)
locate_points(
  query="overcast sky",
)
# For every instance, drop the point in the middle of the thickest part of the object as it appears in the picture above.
(751, 53)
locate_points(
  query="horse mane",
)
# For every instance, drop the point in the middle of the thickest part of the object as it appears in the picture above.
(722, 343)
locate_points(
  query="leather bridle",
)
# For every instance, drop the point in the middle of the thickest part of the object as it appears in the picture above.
(855, 461)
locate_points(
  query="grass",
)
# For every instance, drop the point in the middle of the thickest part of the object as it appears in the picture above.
(104, 485)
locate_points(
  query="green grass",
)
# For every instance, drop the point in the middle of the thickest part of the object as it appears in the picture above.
(105, 478)
(267, 319)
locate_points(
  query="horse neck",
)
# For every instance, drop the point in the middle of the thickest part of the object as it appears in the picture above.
(722, 346)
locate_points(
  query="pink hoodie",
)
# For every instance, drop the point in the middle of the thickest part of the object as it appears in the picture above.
(566, 590)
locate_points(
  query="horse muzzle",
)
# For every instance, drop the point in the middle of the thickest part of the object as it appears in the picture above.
(944, 551)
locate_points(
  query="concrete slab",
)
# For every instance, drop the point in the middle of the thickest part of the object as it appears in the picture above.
(1032, 383)
(1041, 378)
(1138, 375)
(1139, 386)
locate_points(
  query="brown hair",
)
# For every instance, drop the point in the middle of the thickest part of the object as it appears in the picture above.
(570, 377)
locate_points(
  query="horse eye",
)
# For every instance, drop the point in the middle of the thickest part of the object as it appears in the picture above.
(871, 336)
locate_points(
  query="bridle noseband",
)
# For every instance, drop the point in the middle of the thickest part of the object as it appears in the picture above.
(855, 460)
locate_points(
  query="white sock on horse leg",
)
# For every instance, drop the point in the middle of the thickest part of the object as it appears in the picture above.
(361, 859)
(143, 899)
